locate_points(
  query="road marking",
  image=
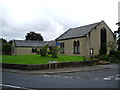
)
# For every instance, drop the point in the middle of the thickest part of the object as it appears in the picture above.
(59, 76)
(46, 75)
(56, 76)
(11, 86)
(96, 78)
(78, 77)
(108, 78)
(66, 76)
(118, 75)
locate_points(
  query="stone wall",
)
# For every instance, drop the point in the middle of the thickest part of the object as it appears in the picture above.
(92, 40)
(50, 66)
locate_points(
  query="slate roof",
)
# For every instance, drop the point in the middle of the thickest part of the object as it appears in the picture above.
(77, 32)
(32, 43)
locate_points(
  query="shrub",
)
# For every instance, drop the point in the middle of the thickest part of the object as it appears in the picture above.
(43, 50)
(6, 49)
(50, 52)
(103, 49)
(115, 56)
(38, 52)
(97, 56)
(55, 52)
(104, 57)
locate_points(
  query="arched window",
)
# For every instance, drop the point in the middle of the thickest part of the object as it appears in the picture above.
(91, 51)
(78, 47)
(103, 36)
(103, 47)
(74, 47)
(63, 47)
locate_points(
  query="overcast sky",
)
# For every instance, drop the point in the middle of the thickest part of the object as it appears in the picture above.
(51, 18)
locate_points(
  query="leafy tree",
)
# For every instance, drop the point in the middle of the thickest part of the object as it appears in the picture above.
(103, 49)
(3, 41)
(6, 47)
(118, 32)
(111, 45)
(33, 36)
(55, 52)
(10, 42)
(43, 50)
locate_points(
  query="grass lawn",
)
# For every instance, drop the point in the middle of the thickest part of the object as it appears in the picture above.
(37, 59)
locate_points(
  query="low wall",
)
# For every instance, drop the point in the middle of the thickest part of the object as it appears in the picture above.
(50, 66)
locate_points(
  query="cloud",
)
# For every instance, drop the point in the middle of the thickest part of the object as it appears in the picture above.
(53, 17)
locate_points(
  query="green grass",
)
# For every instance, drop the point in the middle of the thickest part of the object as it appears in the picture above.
(37, 59)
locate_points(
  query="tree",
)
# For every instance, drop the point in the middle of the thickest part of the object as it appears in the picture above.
(103, 49)
(10, 42)
(118, 32)
(43, 50)
(33, 36)
(111, 45)
(54, 51)
(3, 41)
(6, 47)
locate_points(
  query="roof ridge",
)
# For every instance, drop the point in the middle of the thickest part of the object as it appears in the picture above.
(84, 25)
(82, 30)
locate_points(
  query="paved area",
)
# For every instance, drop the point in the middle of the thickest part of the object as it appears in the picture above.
(62, 70)
(101, 76)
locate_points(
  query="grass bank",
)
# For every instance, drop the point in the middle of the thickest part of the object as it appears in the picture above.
(37, 59)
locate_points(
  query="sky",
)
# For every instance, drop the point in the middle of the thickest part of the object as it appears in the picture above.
(51, 18)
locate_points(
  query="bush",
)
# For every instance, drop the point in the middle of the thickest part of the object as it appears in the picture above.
(97, 56)
(6, 49)
(43, 50)
(103, 49)
(55, 52)
(115, 56)
(104, 57)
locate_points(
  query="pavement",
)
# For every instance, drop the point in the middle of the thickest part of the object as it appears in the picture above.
(60, 70)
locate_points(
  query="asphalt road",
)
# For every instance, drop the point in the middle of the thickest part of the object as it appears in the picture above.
(106, 78)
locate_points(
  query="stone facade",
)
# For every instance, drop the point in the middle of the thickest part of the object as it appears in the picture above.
(21, 50)
(22, 47)
(92, 40)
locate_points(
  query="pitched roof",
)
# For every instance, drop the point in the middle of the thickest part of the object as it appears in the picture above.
(32, 43)
(77, 32)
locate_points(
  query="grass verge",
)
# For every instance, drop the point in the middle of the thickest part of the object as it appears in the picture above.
(37, 59)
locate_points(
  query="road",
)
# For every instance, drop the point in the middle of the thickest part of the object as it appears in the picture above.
(106, 78)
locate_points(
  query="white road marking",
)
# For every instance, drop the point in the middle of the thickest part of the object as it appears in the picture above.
(56, 76)
(46, 75)
(11, 86)
(78, 77)
(118, 75)
(66, 76)
(108, 78)
(96, 78)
